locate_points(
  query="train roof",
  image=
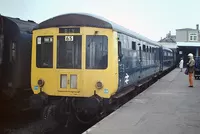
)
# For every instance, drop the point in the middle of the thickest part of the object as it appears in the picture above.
(23, 26)
(165, 48)
(90, 20)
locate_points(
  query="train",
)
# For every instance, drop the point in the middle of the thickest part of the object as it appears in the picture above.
(81, 63)
(15, 60)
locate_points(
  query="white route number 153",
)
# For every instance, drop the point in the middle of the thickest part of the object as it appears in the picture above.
(69, 38)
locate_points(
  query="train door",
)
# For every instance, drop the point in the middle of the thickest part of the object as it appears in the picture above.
(69, 58)
(1, 47)
(1, 43)
(140, 61)
(121, 65)
(161, 58)
(1, 55)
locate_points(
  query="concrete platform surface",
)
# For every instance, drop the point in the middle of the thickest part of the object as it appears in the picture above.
(169, 106)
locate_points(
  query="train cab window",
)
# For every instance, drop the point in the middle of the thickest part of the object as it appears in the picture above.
(133, 45)
(44, 52)
(69, 52)
(96, 52)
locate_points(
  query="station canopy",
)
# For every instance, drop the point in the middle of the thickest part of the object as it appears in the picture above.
(188, 44)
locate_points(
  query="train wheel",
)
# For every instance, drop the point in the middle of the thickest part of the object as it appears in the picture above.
(62, 112)
(48, 112)
(83, 118)
(8, 94)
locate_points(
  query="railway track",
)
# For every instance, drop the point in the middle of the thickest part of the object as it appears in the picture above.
(47, 127)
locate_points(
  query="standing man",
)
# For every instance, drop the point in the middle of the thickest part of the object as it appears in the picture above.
(190, 66)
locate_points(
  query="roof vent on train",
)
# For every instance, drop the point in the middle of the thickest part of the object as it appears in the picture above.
(31, 21)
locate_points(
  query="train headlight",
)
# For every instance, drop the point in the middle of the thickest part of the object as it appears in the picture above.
(63, 81)
(73, 81)
(99, 85)
(40, 82)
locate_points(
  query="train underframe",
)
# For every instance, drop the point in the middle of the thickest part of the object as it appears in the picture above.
(66, 109)
(87, 110)
(15, 100)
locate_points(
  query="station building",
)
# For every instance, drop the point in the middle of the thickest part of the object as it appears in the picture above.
(186, 40)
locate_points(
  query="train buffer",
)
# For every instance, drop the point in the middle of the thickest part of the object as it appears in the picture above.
(168, 106)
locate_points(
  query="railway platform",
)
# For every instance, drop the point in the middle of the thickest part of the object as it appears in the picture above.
(168, 106)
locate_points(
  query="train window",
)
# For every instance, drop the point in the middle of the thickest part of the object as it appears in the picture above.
(144, 48)
(154, 50)
(140, 52)
(44, 52)
(96, 52)
(69, 52)
(119, 48)
(12, 51)
(133, 45)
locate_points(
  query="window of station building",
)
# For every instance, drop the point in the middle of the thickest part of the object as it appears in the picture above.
(133, 45)
(147, 49)
(96, 52)
(69, 52)
(192, 37)
(44, 52)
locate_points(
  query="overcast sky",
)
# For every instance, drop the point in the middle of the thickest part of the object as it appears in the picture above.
(151, 18)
